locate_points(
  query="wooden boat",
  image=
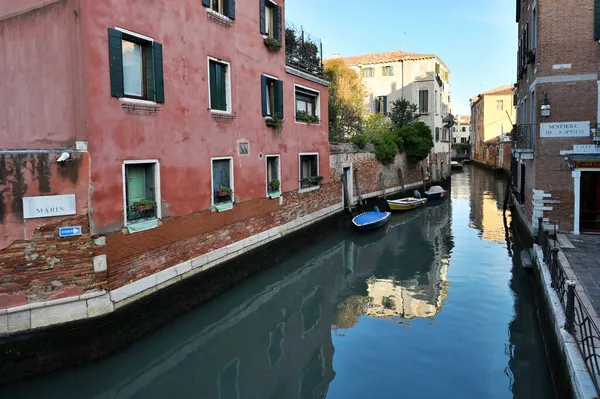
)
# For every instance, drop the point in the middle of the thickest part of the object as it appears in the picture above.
(371, 220)
(406, 204)
(435, 192)
(456, 165)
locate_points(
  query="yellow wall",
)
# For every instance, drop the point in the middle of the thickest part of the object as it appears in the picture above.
(497, 122)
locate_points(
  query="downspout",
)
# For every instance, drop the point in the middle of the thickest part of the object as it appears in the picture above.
(402, 89)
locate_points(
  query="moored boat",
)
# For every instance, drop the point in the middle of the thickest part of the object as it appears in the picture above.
(456, 165)
(406, 204)
(371, 220)
(435, 192)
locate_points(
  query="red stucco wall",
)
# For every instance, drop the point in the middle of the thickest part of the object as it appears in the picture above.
(183, 135)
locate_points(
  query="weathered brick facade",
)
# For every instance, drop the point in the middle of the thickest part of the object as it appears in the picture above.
(558, 60)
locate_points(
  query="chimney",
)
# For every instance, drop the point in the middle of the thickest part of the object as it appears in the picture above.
(336, 55)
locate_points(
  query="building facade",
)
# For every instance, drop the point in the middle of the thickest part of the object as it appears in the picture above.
(556, 160)
(422, 79)
(143, 153)
(461, 136)
(492, 117)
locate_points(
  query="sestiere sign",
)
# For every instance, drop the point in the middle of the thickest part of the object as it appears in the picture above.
(565, 129)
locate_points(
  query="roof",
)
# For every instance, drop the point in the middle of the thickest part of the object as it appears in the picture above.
(463, 118)
(390, 56)
(498, 91)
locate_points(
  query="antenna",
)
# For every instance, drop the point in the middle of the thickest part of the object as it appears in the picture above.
(405, 45)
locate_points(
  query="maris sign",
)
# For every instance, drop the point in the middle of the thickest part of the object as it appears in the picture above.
(565, 129)
(48, 205)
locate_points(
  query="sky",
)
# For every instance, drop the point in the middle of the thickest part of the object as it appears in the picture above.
(476, 39)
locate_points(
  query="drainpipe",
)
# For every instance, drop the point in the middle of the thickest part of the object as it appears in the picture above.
(402, 90)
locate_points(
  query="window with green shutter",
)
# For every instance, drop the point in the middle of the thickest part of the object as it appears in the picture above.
(223, 7)
(272, 96)
(423, 101)
(219, 85)
(387, 70)
(136, 67)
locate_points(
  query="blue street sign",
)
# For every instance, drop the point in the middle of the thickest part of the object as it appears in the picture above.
(70, 231)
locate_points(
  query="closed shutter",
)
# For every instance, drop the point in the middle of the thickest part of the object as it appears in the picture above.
(263, 90)
(597, 20)
(263, 22)
(384, 105)
(115, 59)
(218, 98)
(278, 22)
(279, 98)
(159, 79)
(230, 8)
(377, 108)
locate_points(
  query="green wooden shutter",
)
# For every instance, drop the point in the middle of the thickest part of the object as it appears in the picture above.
(278, 21)
(136, 184)
(426, 96)
(263, 90)
(159, 79)
(377, 107)
(150, 76)
(115, 59)
(384, 105)
(597, 20)
(213, 84)
(263, 22)
(230, 8)
(279, 97)
(206, 3)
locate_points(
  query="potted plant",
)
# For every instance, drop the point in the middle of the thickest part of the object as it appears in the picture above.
(224, 191)
(144, 205)
(274, 186)
(276, 122)
(530, 57)
(303, 116)
(272, 44)
(316, 179)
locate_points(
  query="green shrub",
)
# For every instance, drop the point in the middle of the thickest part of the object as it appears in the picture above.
(360, 140)
(386, 148)
(417, 141)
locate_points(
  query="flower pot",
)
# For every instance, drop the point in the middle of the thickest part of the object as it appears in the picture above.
(144, 208)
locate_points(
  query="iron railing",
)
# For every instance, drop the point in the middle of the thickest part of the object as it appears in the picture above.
(579, 322)
(303, 51)
(138, 213)
(309, 182)
(523, 137)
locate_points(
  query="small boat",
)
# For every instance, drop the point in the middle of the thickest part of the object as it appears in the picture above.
(435, 192)
(371, 220)
(456, 165)
(406, 204)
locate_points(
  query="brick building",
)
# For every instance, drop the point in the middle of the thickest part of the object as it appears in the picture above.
(555, 159)
(161, 151)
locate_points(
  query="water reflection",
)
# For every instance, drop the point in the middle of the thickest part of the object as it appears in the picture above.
(419, 299)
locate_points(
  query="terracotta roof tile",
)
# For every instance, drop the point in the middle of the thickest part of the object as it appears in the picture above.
(508, 89)
(390, 56)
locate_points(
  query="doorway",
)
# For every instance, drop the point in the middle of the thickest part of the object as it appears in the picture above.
(590, 202)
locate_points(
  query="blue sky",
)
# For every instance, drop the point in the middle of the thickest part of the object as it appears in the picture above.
(477, 39)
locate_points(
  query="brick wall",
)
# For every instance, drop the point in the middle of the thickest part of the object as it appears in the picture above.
(134, 256)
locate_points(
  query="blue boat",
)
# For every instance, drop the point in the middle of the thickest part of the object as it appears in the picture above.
(371, 220)
(435, 192)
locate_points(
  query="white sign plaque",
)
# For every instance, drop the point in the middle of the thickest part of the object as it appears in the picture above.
(565, 129)
(48, 205)
(586, 149)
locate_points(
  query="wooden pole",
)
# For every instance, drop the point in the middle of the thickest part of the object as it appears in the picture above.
(382, 184)
(401, 177)
(347, 193)
(360, 201)
(423, 177)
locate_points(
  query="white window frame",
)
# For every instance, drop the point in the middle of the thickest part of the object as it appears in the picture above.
(269, 115)
(306, 190)
(212, 183)
(227, 84)
(147, 39)
(278, 156)
(157, 195)
(317, 105)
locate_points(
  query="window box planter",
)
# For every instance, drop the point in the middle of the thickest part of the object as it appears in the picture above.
(302, 116)
(272, 44)
(274, 195)
(276, 122)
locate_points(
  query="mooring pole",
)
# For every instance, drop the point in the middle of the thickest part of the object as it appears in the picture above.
(570, 309)
(382, 184)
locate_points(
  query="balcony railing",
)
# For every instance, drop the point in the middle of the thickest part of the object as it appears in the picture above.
(523, 138)
(303, 51)
(141, 213)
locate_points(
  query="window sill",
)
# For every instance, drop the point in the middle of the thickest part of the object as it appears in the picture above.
(222, 207)
(308, 190)
(274, 195)
(137, 101)
(307, 123)
(219, 18)
(142, 225)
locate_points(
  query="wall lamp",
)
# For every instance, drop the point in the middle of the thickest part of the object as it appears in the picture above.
(545, 110)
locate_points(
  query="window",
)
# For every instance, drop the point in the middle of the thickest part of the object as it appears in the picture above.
(272, 96)
(436, 103)
(222, 183)
(309, 171)
(141, 194)
(534, 29)
(243, 148)
(381, 105)
(136, 66)
(223, 7)
(219, 85)
(464, 129)
(463, 140)
(424, 101)
(270, 19)
(500, 105)
(307, 105)
(437, 134)
(273, 179)
(437, 68)
(532, 113)
(368, 72)
(387, 71)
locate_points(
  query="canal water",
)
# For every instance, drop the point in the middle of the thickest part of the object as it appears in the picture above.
(433, 306)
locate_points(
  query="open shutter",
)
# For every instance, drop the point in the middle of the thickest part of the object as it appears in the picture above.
(159, 80)
(230, 8)
(263, 22)
(115, 59)
(213, 85)
(263, 90)
(377, 107)
(277, 20)
(206, 3)
(279, 98)
(150, 77)
(597, 20)
(384, 105)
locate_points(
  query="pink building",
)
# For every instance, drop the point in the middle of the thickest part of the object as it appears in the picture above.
(174, 134)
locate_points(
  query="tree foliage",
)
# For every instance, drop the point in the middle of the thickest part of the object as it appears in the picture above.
(449, 121)
(403, 113)
(386, 148)
(375, 125)
(417, 141)
(346, 100)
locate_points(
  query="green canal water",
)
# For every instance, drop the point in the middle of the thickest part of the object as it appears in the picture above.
(433, 306)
